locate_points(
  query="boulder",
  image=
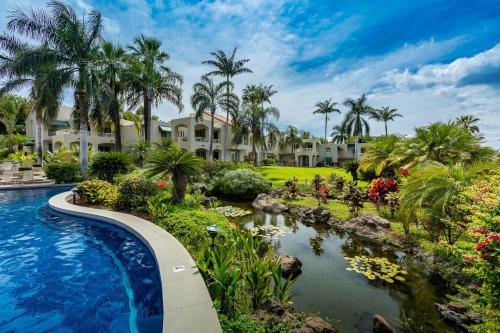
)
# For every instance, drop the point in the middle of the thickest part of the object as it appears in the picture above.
(290, 266)
(367, 226)
(313, 215)
(458, 319)
(267, 204)
(380, 325)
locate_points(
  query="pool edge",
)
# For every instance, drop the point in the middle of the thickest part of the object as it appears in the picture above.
(187, 306)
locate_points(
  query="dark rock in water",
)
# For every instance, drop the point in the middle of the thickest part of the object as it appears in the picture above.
(290, 266)
(315, 325)
(268, 204)
(313, 215)
(367, 226)
(458, 315)
(380, 325)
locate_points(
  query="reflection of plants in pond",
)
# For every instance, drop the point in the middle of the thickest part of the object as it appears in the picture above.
(269, 231)
(317, 245)
(374, 268)
(230, 211)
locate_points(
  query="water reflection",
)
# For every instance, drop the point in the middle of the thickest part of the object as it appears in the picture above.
(349, 298)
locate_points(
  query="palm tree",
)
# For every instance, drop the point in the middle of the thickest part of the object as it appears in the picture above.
(147, 79)
(354, 122)
(177, 163)
(112, 64)
(207, 97)
(136, 118)
(227, 67)
(257, 121)
(385, 114)
(339, 134)
(69, 45)
(13, 108)
(468, 122)
(379, 155)
(291, 138)
(166, 144)
(326, 107)
(139, 151)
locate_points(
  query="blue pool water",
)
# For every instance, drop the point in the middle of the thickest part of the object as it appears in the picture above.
(65, 274)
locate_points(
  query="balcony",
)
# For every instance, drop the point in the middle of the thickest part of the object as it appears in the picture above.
(182, 139)
(201, 139)
(77, 132)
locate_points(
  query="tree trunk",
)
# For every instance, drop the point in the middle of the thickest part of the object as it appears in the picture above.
(211, 136)
(254, 153)
(180, 184)
(227, 120)
(147, 118)
(385, 124)
(84, 128)
(116, 115)
(326, 123)
(39, 140)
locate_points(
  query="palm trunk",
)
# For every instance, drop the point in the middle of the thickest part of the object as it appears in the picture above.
(227, 119)
(211, 136)
(254, 153)
(180, 184)
(118, 135)
(39, 140)
(147, 118)
(84, 128)
(385, 124)
(326, 123)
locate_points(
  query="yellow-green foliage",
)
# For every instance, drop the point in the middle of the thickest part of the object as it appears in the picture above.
(374, 268)
(98, 192)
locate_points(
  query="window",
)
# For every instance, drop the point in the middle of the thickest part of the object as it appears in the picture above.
(201, 154)
(328, 150)
(199, 133)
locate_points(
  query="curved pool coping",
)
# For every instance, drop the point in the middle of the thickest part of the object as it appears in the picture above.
(187, 306)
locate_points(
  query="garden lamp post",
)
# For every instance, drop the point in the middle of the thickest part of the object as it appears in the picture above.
(74, 190)
(213, 231)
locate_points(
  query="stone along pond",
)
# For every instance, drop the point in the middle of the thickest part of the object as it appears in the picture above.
(330, 286)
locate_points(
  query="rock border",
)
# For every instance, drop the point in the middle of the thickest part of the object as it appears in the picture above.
(187, 306)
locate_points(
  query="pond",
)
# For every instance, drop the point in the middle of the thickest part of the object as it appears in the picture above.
(347, 298)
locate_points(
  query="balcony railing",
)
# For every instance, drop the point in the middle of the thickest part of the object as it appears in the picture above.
(200, 139)
(182, 139)
(77, 132)
(304, 150)
(216, 140)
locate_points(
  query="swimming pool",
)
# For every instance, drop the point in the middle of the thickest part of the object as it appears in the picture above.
(66, 274)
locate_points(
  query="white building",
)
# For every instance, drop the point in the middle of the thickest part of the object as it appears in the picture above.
(193, 135)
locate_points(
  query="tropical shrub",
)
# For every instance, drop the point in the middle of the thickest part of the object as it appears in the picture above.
(320, 190)
(291, 189)
(63, 172)
(269, 161)
(106, 165)
(178, 164)
(216, 168)
(354, 198)
(242, 184)
(338, 182)
(134, 192)
(379, 156)
(379, 190)
(352, 168)
(97, 192)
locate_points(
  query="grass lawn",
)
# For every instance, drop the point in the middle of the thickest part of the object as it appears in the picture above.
(278, 175)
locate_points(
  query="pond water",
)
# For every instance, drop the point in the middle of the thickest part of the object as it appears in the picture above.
(347, 298)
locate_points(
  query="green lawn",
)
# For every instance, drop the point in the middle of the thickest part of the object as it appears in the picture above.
(280, 174)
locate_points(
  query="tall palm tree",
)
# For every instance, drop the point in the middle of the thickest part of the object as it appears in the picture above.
(178, 164)
(468, 122)
(112, 64)
(147, 79)
(355, 123)
(326, 107)
(258, 122)
(12, 109)
(227, 67)
(69, 45)
(385, 114)
(339, 134)
(292, 138)
(207, 97)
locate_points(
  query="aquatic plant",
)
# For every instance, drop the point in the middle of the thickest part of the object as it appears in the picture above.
(269, 231)
(230, 211)
(376, 268)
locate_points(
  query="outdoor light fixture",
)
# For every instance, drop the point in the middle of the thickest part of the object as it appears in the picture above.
(74, 195)
(213, 231)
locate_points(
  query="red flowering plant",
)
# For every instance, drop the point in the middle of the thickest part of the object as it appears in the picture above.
(320, 190)
(382, 193)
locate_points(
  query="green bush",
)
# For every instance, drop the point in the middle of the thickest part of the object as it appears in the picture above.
(63, 172)
(246, 324)
(241, 184)
(133, 194)
(269, 161)
(97, 192)
(190, 227)
(106, 165)
(214, 168)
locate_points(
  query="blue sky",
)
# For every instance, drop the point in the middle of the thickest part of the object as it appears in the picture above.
(433, 60)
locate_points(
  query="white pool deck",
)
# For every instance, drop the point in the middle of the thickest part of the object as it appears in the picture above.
(187, 306)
